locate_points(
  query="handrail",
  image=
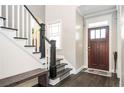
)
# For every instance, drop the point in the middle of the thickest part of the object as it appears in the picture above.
(47, 39)
(32, 15)
(37, 22)
(53, 70)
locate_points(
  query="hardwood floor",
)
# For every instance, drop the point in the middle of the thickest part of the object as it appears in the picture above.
(84, 79)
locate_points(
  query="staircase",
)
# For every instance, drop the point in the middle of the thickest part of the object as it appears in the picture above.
(15, 23)
(62, 72)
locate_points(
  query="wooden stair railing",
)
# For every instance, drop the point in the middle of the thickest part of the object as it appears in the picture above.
(53, 70)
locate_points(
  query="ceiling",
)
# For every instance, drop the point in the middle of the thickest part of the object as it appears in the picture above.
(88, 9)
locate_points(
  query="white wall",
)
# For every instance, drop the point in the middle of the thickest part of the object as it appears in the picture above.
(38, 11)
(67, 15)
(121, 43)
(112, 36)
(13, 60)
(79, 41)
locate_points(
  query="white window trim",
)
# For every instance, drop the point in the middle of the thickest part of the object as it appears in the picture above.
(54, 22)
(98, 24)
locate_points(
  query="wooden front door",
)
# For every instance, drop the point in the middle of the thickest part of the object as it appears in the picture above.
(98, 48)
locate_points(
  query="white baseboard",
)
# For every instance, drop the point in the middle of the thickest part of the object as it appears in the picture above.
(79, 69)
(54, 82)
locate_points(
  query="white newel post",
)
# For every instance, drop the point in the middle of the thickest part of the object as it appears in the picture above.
(23, 21)
(27, 24)
(0, 15)
(18, 21)
(0, 10)
(6, 15)
(13, 16)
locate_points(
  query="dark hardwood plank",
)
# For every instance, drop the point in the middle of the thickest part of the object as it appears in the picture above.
(88, 80)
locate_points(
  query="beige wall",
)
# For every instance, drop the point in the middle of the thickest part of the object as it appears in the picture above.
(79, 40)
(67, 16)
(38, 11)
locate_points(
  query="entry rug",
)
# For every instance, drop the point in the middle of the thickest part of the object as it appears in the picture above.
(97, 72)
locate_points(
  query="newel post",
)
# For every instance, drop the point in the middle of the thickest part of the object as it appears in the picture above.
(53, 59)
(42, 40)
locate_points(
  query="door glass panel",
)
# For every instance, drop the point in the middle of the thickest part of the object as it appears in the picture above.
(92, 34)
(103, 33)
(98, 33)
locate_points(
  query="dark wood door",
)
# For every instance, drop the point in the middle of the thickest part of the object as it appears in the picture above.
(98, 48)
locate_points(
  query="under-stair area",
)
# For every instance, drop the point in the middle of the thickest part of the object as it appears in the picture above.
(16, 30)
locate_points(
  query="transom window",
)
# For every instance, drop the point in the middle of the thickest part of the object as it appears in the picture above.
(98, 33)
(55, 33)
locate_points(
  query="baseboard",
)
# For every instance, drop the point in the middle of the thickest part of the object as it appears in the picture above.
(54, 82)
(79, 69)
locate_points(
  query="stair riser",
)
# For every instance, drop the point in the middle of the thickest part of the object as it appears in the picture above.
(58, 62)
(60, 68)
(65, 76)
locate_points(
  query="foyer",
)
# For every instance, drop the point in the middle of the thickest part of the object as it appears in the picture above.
(61, 46)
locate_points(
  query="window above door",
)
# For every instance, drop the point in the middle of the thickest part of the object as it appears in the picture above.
(98, 33)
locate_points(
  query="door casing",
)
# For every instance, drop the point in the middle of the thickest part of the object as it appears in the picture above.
(95, 42)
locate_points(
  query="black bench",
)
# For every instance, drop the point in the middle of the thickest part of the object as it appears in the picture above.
(42, 75)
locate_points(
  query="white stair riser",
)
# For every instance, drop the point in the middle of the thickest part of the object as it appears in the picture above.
(1, 22)
(54, 82)
(65, 76)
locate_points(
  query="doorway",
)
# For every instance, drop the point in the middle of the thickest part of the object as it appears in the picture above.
(98, 48)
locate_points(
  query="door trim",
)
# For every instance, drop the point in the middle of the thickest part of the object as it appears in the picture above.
(86, 49)
(106, 42)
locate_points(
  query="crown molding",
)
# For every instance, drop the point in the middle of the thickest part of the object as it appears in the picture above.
(100, 13)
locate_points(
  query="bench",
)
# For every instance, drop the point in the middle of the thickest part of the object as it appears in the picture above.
(42, 75)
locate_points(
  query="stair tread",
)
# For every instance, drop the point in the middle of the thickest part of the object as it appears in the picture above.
(60, 73)
(8, 28)
(59, 59)
(29, 46)
(20, 38)
(36, 52)
(60, 65)
(3, 18)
